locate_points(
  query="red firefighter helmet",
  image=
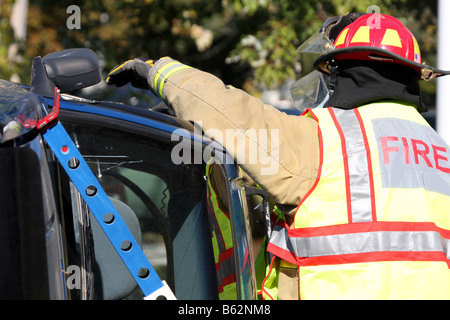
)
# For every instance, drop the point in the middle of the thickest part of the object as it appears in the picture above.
(376, 37)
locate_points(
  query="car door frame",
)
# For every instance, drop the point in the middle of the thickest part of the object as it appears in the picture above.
(164, 131)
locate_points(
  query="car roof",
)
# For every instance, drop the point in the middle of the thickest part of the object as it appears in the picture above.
(135, 114)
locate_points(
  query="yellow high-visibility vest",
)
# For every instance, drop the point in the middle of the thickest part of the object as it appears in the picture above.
(222, 240)
(376, 223)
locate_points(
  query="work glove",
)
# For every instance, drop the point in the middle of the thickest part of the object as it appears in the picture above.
(134, 71)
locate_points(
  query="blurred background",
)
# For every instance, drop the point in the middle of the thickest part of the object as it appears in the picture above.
(249, 44)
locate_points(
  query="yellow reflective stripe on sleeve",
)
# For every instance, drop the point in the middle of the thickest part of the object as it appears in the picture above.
(164, 72)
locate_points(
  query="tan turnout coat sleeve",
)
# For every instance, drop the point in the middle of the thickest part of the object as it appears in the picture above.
(288, 167)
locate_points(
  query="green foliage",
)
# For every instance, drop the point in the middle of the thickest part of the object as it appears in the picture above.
(248, 43)
(6, 38)
(271, 50)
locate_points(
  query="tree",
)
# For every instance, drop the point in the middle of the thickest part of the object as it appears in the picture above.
(7, 68)
(250, 44)
(271, 49)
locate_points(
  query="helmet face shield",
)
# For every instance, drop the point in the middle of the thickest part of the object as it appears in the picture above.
(318, 43)
(310, 91)
(322, 41)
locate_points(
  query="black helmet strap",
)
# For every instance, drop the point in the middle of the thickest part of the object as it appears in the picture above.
(333, 75)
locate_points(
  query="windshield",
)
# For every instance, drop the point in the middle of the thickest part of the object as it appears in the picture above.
(166, 200)
(19, 110)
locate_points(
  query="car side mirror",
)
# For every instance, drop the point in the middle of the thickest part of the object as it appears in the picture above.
(69, 70)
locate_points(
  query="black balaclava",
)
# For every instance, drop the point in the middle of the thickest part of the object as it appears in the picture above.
(360, 82)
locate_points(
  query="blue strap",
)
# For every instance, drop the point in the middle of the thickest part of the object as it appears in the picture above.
(104, 211)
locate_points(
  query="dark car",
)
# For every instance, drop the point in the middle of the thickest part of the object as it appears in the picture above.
(54, 248)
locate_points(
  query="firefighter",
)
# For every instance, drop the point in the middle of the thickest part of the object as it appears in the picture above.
(362, 182)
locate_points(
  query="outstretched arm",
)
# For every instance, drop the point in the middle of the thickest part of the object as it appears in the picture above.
(279, 151)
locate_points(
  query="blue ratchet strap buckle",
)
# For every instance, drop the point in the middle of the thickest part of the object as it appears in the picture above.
(101, 207)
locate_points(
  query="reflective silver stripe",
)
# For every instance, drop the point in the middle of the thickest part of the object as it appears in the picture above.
(281, 239)
(359, 180)
(363, 242)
